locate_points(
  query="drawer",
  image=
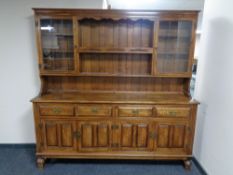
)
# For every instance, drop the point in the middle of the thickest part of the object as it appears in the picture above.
(167, 111)
(56, 109)
(135, 111)
(93, 110)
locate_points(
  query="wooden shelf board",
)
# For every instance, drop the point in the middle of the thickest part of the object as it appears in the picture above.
(172, 53)
(112, 75)
(58, 50)
(72, 73)
(174, 36)
(147, 50)
(57, 34)
(117, 97)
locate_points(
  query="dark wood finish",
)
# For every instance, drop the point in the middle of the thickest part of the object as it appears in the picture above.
(115, 84)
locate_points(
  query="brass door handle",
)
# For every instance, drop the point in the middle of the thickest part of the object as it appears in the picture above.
(115, 127)
(152, 135)
(77, 135)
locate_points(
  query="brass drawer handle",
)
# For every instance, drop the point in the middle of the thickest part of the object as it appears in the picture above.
(94, 110)
(135, 111)
(57, 110)
(173, 113)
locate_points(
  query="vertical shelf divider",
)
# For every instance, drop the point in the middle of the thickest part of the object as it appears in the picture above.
(76, 44)
(155, 46)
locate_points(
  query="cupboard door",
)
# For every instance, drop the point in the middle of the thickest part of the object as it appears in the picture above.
(94, 135)
(172, 137)
(58, 135)
(132, 135)
(57, 44)
(174, 46)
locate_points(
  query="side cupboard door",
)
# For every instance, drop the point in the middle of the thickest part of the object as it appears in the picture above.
(93, 135)
(58, 135)
(128, 135)
(172, 137)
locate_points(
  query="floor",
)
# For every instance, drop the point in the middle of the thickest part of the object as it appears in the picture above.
(21, 161)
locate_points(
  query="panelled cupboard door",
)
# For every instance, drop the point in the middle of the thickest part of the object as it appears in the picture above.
(174, 51)
(93, 135)
(58, 135)
(132, 135)
(57, 44)
(172, 137)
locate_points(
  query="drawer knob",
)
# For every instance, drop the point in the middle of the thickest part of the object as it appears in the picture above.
(57, 110)
(94, 110)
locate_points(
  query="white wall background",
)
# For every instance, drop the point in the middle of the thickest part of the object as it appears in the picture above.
(19, 79)
(214, 89)
(157, 4)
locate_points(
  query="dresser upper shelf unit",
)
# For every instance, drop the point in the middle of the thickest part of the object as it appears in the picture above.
(163, 44)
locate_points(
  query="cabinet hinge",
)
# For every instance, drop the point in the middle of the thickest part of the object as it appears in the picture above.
(36, 23)
(40, 125)
(40, 66)
(41, 144)
(189, 129)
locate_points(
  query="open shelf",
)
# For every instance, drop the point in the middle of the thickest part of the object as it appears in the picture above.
(115, 64)
(115, 34)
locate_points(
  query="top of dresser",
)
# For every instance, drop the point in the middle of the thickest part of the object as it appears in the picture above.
(110, 97)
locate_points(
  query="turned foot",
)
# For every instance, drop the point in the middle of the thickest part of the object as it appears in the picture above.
(40, 162)
(187, 164)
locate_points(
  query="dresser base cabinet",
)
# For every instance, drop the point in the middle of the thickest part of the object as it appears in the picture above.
(114, 84)
(114, 131)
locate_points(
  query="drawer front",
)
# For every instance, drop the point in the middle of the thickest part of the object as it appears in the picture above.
(166, 111)
(133, 111)
(47, 109)
(93, 110)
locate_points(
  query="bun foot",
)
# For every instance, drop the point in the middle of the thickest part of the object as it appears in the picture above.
(187, 164)
(40, 162)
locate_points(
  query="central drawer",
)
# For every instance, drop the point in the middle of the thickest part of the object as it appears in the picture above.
(135, 111)
(94, 110)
